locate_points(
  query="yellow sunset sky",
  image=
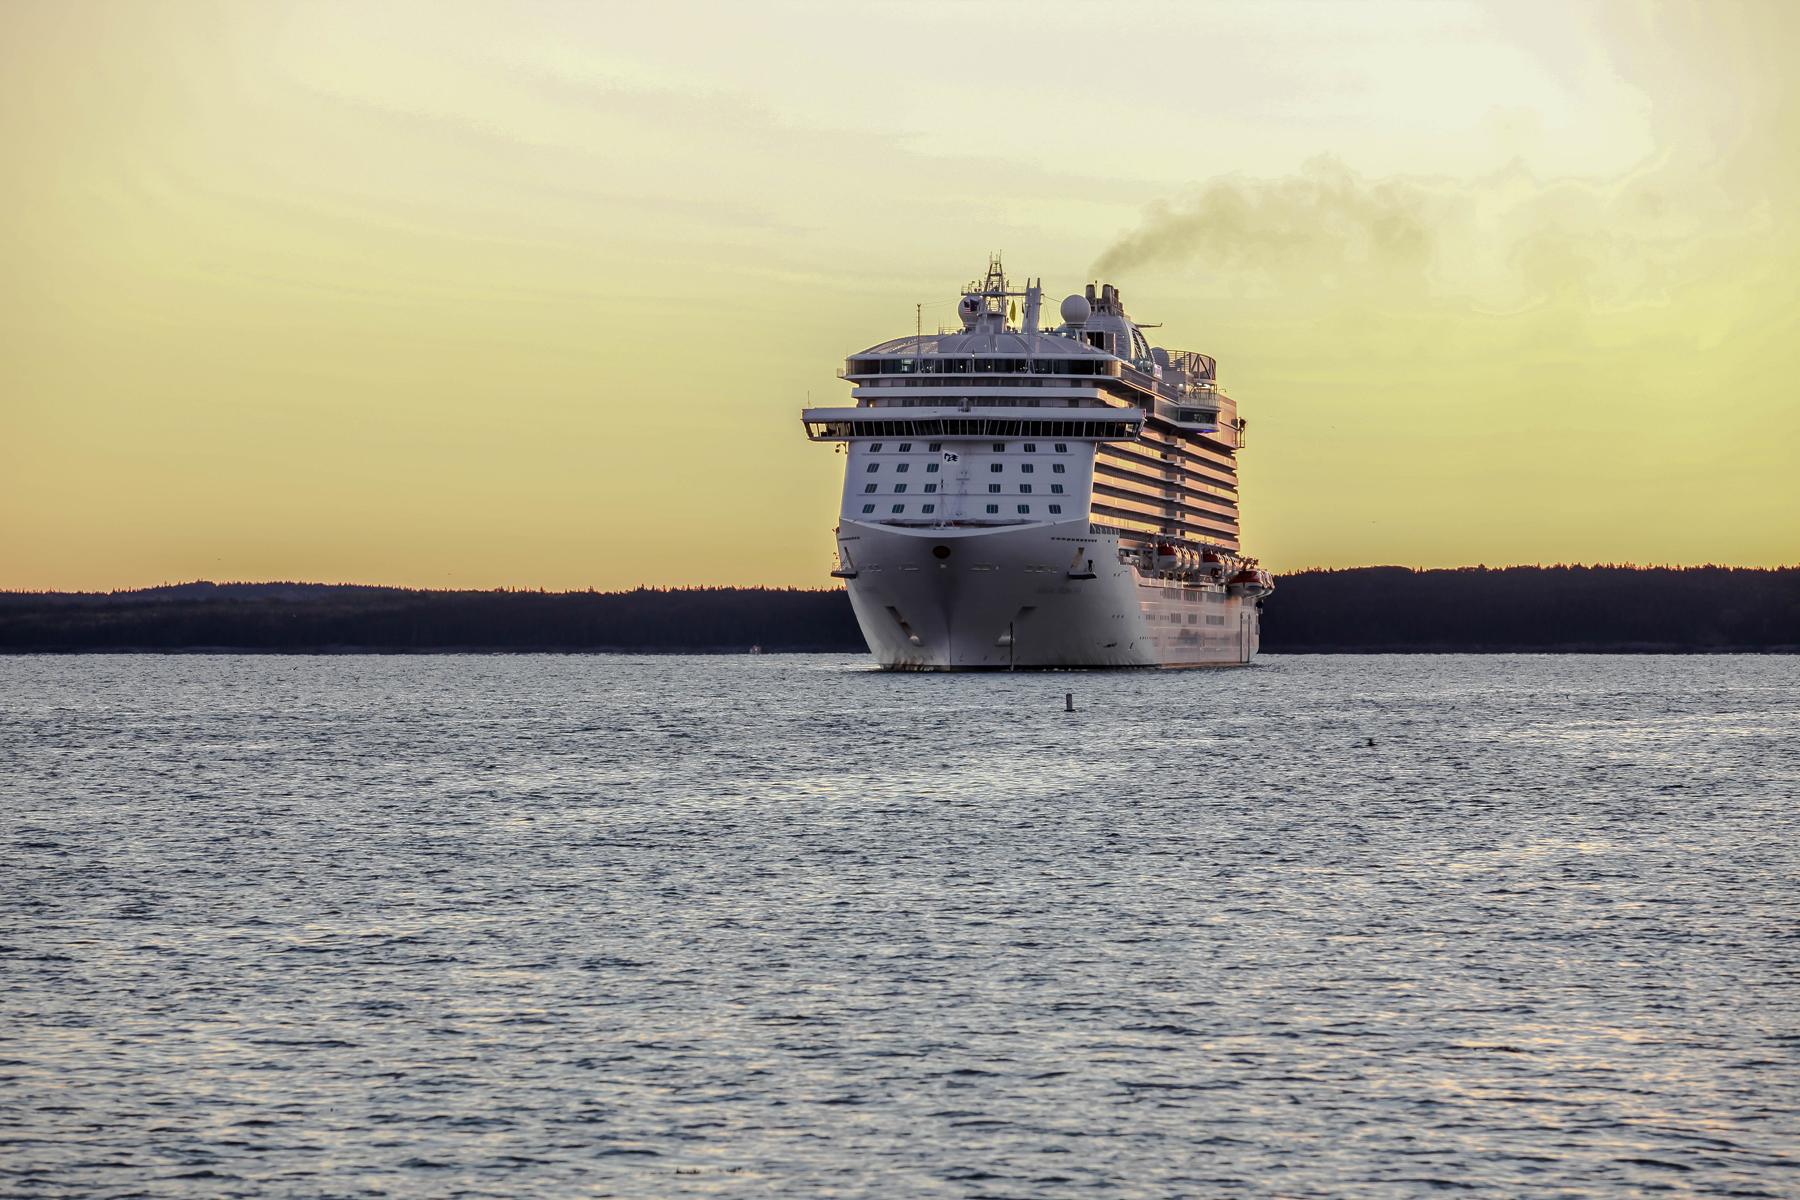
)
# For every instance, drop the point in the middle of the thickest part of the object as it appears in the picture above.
(531, 295)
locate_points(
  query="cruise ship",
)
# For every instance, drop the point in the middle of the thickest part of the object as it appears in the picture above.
(1023, 497)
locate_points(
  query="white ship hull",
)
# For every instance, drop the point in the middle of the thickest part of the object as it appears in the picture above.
(1018, 598)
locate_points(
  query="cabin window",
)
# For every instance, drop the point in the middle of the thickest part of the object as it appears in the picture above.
(1024, 508)
(902, 468)
(1057, 488)
(999, 447)
(1056, 468)
(930, 488)
(931, 468)
(875, 448)
(1062, 447)
(1056, 508)
(905, 447)
(996, 468)
(935, 447)
(1025, 488)
(899, 508)
(874, 467)
(868, 488)
(993, 487)
(1031, 447)
(868, 508)
(1026, 468)
(993, 508)
(929, 508)
(898, 488)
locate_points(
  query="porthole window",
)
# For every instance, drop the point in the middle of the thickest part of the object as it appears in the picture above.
(993, 508)
(930, 487)
(929, 508)
(1057, 488)
(1056, 508)
(868, 508)
(993, 487)
(868, 488)
(1062, 447)
(906, 447)
(1026, 468)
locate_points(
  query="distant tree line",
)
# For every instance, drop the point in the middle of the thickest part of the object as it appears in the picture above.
(1364, 609)
(1535, 608)
(680, 619)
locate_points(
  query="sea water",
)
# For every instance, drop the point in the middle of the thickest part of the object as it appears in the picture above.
(556, 926)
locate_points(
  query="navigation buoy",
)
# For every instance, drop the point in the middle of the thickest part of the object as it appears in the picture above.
(1068, 701)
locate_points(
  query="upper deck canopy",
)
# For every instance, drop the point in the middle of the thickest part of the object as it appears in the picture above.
(1029, 345)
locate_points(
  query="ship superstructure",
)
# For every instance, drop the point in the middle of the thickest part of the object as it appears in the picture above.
(1023, 497)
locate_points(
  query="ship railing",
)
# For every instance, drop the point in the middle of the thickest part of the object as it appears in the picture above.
(970, 426)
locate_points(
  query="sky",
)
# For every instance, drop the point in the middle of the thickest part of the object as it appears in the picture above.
(532, 294)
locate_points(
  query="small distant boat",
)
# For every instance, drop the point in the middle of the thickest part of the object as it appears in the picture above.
(756, 649)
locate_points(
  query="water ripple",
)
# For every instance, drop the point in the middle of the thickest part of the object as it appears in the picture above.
(574, 926)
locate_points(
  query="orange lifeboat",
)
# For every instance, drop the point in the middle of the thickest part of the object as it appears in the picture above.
(1166, 557)
(1212, 566)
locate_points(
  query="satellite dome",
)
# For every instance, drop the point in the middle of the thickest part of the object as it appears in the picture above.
(969, 309)
(1076, 310)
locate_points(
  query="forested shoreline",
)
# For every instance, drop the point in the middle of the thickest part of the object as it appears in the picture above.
(1562, 609)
